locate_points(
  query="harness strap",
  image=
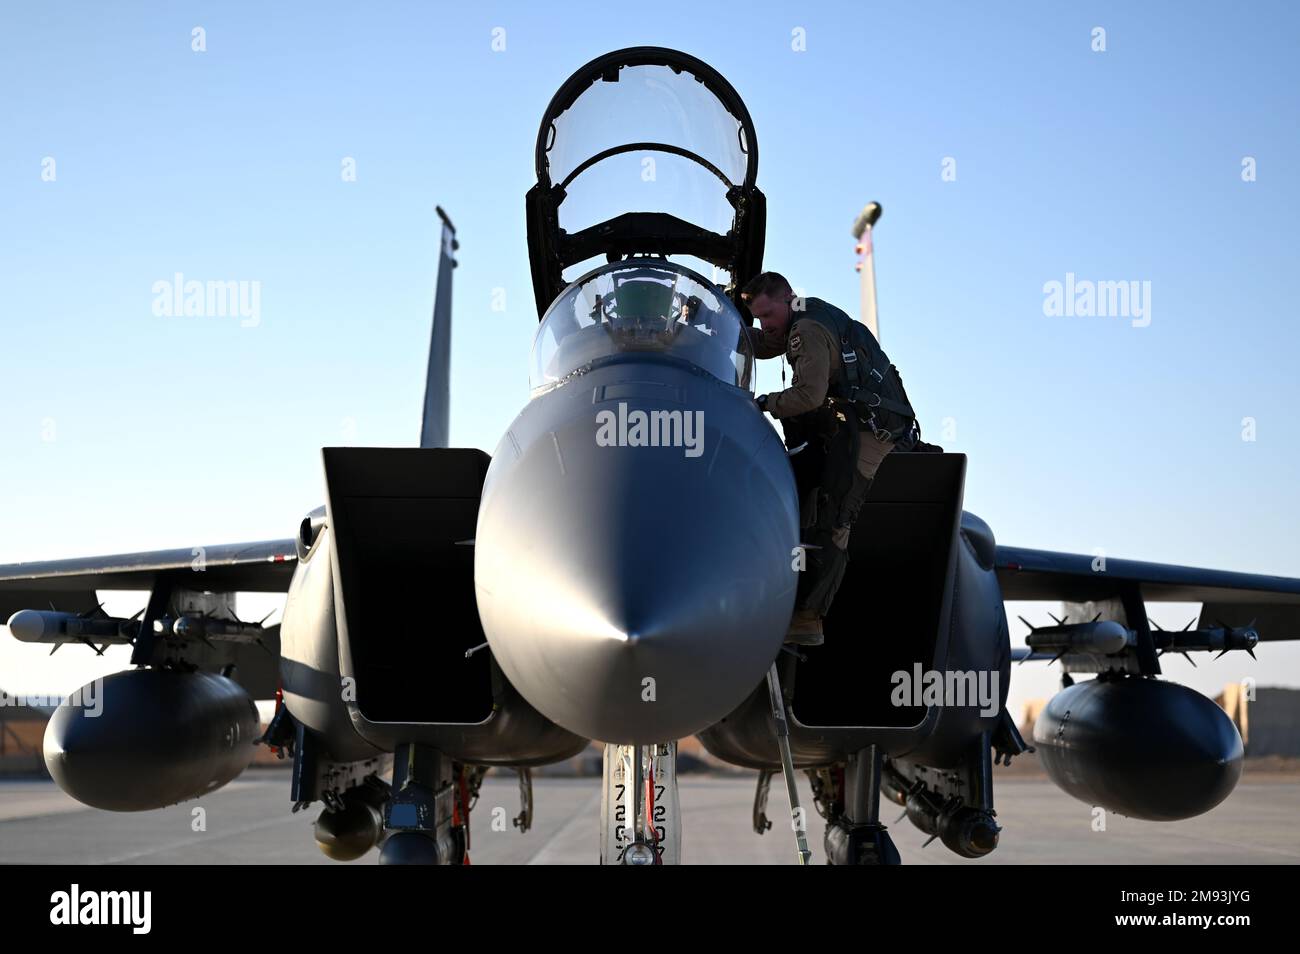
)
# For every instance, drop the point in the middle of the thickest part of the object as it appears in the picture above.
(875, 400)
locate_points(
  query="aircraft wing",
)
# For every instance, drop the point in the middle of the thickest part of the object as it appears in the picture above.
(70, 585)
(1271, 602)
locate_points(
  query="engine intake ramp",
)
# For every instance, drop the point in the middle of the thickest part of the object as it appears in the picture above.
(402, 522)
(890, 613)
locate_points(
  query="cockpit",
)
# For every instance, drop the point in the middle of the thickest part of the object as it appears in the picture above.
(641, 307)
(645, 152)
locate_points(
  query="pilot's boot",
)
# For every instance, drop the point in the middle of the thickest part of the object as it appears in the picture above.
(805, 629)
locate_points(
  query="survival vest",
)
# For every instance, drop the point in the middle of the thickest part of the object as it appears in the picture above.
(867, 379)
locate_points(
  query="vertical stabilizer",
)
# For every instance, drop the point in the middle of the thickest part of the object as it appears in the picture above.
(437, 384)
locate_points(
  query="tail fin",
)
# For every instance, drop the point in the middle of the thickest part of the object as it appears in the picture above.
(437, 385)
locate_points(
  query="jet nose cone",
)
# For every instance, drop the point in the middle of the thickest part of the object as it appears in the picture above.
(638, 594)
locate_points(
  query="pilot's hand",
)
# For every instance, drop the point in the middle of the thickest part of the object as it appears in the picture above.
(761, 401)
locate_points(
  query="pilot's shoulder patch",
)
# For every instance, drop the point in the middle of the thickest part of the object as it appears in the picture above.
(796, 342)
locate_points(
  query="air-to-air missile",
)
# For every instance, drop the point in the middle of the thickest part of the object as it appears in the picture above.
(46, 626)
(1096, 637)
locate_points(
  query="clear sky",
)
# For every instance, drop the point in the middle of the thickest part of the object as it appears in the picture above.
(125, 430)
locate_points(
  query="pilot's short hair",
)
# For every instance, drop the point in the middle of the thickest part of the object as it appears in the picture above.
(772, 284)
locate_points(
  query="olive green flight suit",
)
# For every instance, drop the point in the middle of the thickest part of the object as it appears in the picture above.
(831, 483)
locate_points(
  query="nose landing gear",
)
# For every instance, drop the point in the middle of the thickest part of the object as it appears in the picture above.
(640, 812)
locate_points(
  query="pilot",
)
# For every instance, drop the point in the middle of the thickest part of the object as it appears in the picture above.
(836, 439)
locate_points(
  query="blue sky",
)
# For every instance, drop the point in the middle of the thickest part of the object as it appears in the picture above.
(124, 430)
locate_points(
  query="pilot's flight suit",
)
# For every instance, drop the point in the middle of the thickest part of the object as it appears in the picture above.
(832, 480)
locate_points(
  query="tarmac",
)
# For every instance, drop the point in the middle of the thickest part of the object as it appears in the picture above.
(250, 822)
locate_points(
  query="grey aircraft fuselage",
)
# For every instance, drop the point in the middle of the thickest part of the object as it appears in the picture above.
(636, 590)
(637, 594)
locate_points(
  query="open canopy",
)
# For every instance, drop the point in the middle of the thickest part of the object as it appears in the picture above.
(644, 151)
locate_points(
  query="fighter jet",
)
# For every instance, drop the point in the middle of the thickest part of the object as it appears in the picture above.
(623, 568)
